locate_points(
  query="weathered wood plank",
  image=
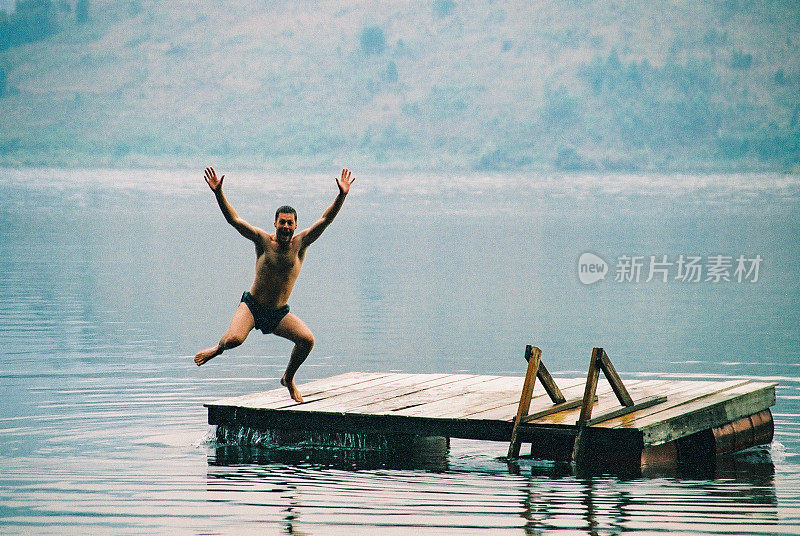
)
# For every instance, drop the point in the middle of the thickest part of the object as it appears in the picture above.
(345, 398)
(533, 355)
(637, 405)
(416, 395)
(555, 408)
(734, 388)
(432, 393)
(446, 395)
(673, 388)
(311, 389)
(289, 404)
(506, 411)
(466, 403)
(409, 391)
(542, 403)
(342, 401)
(538, 401)
(687, 392)
(613, 378)
(591, 386)
(708, 412)
(447, 401)
(550, 385)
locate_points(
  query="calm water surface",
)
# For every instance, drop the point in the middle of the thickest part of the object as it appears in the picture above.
(111, 280)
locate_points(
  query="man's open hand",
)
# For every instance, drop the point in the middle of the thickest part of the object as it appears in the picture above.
(214, 182)
(345, 181)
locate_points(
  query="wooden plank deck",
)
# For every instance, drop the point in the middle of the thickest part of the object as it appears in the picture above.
(483, 407)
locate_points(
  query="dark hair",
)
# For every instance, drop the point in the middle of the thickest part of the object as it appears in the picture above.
(286, 209)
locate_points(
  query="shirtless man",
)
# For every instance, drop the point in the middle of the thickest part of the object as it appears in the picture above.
(279, 258)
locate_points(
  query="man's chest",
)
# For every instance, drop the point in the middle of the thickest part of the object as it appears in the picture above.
(279, 261)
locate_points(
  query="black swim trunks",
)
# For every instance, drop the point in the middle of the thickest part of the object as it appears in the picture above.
(265, 319)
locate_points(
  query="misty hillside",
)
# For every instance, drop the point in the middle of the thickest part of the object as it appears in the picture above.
(441, 85)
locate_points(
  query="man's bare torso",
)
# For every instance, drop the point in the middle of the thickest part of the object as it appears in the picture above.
(279, 258)
(277, 268)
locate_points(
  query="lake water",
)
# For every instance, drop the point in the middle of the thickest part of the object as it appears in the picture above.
(110, 280)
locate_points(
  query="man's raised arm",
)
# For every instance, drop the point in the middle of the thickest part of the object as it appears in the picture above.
(314, 232)
(215, 183)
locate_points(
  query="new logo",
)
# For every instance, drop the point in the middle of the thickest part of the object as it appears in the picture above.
(591, 268)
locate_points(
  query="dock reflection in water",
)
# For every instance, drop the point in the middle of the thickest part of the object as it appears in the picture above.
(368, 483)
(740, 497)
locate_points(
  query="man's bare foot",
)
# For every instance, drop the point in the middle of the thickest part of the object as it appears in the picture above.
(293, 392)
(204, 356)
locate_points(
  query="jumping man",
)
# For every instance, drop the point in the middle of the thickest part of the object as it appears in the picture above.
(279, 258)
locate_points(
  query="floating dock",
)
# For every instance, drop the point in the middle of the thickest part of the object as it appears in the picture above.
(643, 422)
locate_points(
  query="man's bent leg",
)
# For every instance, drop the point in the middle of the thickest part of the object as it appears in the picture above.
(241, 325)
(294, 329)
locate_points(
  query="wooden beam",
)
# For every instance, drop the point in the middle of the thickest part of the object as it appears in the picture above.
(579, 447)
(555, 408)
(549, 385)
(640, 404)
(614, 379)
(266, 419)
(533, 356)
(546, 378)
(591, 386)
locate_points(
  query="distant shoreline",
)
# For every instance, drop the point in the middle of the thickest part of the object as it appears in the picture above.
(322, 166)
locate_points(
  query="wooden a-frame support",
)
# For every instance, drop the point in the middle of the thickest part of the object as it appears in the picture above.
(533, 355)
(601, 362)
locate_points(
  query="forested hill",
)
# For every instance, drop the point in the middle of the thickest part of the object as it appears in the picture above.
(445, 85)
